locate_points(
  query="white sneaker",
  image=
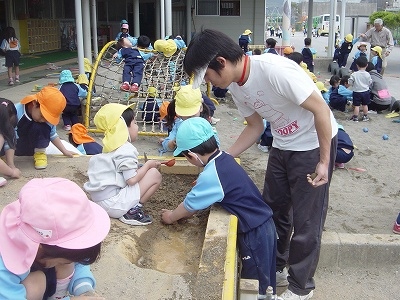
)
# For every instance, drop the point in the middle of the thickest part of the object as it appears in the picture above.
(3, 181)
(281, 277)
(214, 121)
(263, 148)
(289, 295)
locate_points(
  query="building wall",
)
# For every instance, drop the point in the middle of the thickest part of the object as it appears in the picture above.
(352, 9)
(252, 17)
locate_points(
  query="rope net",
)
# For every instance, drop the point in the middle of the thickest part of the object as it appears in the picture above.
(163, 73)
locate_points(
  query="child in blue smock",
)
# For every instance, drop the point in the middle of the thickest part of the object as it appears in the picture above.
(224, 182)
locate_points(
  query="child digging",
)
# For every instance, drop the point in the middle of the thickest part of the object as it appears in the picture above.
(224, 181)
(116, 182)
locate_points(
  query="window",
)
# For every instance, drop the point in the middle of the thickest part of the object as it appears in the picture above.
(218, 8)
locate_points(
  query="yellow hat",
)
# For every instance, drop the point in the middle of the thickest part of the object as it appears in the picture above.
(188, 101)
(87, 66)
(349, 38)
(108, 119)
(82, 79)
(378, 50)
(321, 86)
(288, 50)
(168, 47)
(247, 32)
(152, 91)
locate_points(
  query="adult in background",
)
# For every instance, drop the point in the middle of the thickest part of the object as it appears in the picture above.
(304, 142)
(380, 36)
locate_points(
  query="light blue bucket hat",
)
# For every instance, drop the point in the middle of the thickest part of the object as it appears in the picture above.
(66, 76)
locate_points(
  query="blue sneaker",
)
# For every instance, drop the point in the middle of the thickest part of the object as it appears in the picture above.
(136, 216)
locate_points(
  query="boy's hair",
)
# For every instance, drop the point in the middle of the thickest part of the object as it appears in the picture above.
(8, 120)
(307, 41)
(344, 80)
(204, 148)
(206, 46)
(128, 115)
(334, 80)
(296, 57)
(257, 51)
(270, 42)
(362, 61)
(9, 32)
(370, 67)
(143, 41)
(83, 256)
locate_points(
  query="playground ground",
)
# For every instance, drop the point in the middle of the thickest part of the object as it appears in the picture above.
(364, 203)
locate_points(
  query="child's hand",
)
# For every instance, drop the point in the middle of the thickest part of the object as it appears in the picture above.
(16, 173)
(115, 55)
(69, 153)
(172, 144)
(166, 216)
(152, 164)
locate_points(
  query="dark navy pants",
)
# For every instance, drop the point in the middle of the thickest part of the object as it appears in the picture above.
(136, 70)
(257, 250)
(31, 135)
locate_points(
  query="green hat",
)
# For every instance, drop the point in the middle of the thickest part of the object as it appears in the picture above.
(191, 133)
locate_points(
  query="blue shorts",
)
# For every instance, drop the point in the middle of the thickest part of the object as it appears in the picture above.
(361, 98)
(12, 58)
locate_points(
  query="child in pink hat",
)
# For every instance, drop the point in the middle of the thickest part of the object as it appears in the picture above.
(48, 238)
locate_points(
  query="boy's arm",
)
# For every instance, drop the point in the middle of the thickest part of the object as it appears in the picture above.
(59, 145)
(171, 216)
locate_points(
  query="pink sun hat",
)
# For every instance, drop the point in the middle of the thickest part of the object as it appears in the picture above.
(52, 211)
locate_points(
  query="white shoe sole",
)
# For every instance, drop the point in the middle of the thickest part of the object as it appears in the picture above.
(3, 181)
(133, 222)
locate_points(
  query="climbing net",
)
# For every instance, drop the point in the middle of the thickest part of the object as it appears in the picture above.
(161, 72)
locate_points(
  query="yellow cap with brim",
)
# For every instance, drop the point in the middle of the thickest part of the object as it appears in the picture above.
(167, 47)
(288, 50)
(378, 50)
(108, 119)
(82, 79)
(188, 101)
(349, 38)
(321, 86)
(247, 32)
(87, 66)
(152, 91)
(52, 103)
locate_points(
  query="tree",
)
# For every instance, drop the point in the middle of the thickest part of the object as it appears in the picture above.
(390, 19)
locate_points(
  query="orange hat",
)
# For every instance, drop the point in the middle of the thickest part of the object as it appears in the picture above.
(79, 134)
(52, 103)
(288, 50)
(164, 109)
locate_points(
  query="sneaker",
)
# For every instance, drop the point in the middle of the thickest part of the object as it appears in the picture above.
(17, 80)
(263, 148)
(11, 82)
(136, 216)
(214, 121)
(3, 181)
(281, 277)
(125, 87)
(134, 88)
(396, 228)
(354, 118)
(67, 127)
(40, 159)
(365, 118)
(289, 295)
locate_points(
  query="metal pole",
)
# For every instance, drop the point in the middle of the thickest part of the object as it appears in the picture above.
(332, 29)
(79, 35)
(287, 15)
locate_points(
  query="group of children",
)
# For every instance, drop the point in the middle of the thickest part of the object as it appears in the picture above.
(119, 186)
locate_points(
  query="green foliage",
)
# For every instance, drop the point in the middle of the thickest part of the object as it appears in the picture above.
(390, 19)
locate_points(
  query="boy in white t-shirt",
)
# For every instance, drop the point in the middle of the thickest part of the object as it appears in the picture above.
(304, 142)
